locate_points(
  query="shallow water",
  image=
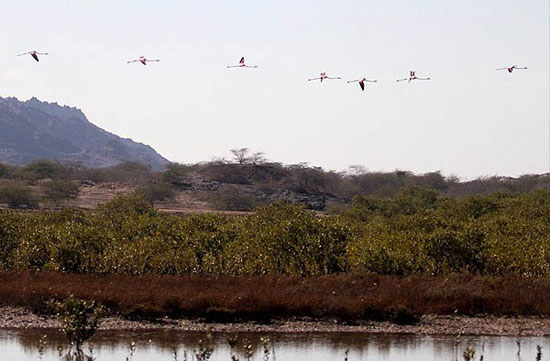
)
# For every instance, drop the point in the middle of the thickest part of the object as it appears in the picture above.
(21, 345)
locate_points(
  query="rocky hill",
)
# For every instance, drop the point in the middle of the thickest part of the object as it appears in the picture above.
(33, 129)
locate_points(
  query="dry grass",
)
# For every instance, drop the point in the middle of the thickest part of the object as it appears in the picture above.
(349, 298)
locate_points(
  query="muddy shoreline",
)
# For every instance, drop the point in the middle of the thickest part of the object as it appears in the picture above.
(21, 318)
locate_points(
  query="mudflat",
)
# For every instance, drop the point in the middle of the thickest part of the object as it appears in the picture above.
(20, 318)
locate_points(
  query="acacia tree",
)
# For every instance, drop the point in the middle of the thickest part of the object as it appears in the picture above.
(241, 155)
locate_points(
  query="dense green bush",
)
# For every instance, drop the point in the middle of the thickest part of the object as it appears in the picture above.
(498, 234)
(286, 238)
(416, 232)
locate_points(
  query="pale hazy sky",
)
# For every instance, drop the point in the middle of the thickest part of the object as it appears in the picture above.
(470, 120)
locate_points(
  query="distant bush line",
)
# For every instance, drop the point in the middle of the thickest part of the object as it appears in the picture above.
(257, 172)
(418, 231)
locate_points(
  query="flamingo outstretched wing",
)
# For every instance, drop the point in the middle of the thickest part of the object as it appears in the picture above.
(360, 81)
(34, 54)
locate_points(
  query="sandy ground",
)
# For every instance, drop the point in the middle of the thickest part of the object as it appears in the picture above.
(11, 317)
(91, 196)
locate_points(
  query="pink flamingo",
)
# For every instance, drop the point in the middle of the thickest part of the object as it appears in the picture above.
(242, 65)
(142, 60)
(322, 77)
(34, 54)
(412, 76)
(362, 82)
(511, 69)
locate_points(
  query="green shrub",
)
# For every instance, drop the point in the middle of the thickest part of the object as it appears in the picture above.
(232, 198)
(174, 171)
(42, 169)
(156, 192)
(4, 171)
(286, 238)
(10, 232)
(59, 191)
(18, 195)
(78, 319)
(124, 206)
(126, 172)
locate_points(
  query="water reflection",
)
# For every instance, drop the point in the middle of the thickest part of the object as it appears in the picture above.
(160, 345)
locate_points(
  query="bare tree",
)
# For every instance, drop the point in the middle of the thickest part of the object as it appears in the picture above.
(241, 155)
(257, 158)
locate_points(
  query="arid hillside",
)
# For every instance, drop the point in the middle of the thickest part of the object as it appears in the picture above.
(237, 186)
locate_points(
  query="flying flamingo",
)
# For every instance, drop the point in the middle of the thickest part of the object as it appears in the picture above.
(412, 76)
(242, 65)
(511, 69)
(34, 54)
(322, 77)
(362, 82)
(142, 60)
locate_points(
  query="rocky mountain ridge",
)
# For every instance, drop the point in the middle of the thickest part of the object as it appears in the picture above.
(34, 129)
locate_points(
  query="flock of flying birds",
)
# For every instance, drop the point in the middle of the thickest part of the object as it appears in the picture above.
(323, 76)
